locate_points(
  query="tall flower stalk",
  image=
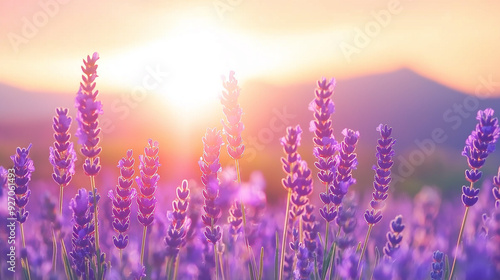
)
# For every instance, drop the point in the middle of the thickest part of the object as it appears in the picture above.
(178, 228)
(147, 182)
(210, 167)
(83, 234)
(478, 146)
(325, 146)
(88, 134)
(122, 200)
(382, 179)
(290, 144)
(62, 155)
(23, 167)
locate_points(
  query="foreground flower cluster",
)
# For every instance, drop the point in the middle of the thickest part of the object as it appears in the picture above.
(219, 227)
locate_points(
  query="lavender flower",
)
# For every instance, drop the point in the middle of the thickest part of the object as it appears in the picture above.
(496, 189)
(23, 167)
(324, 141)
(311, 230)
(478, 146)
(235, 220)
(210, 167)
(62, 155)
(346, 220)
(232, 110)
(83, 233)
(394, 237)
(437, 265)
(290, 144)
(122, 200)
(3, 179)
(382, 177)
(348, 266)
(180, 224)
(304, 264)
(88, 110)
(147, 182)
(347, 162)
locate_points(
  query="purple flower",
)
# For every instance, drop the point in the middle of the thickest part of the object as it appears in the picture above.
(348, 268)
(304, 264)
(290, 144)
(496, 189)
(232, 110)
(478, 146)
(147, 182)
(88, 110)
(347, 221)
(235, 220)
(210, 167)
(437, 265)
(83, 233)
(325, 144)
(62, 155)
(311, 230)
(122, 200)
(347, 161)
(23, 167)
(382, 178)
(180, 224)
(394, 237)
(3, 179)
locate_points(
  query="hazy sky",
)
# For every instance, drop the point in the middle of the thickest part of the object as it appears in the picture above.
(193, 42)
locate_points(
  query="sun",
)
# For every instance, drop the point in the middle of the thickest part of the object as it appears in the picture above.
(196, 55)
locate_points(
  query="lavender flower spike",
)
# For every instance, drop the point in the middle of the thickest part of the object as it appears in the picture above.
(347, 162)
(23, 167)
(232, 110)
(180, 224)
(88, 110)
(210, 167)
(148, 181)
(382, 178)
(437, 265)
(122, 200)
(62, 155)
(496, 189)
(394, 237)
(83, 233)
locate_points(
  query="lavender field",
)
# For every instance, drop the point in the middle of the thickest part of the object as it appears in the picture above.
(218, 226)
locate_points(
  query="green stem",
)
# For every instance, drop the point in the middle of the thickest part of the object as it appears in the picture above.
(283, 242)
(242, 206)
(144, 232)
(61, 199)
(458, 241)
(216, 262)
(364, 247)
(24, 247)
(176, 267)
(94, 194)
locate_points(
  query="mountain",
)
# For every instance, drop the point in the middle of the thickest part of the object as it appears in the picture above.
(417, 108)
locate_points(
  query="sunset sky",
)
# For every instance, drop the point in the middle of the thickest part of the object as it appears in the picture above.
(190, 44)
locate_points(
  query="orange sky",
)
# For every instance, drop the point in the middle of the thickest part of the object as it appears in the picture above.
(193, 42)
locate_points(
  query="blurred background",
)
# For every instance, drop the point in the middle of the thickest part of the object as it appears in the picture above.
(422, 67)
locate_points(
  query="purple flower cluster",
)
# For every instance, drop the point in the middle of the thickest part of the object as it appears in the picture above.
(382, 178)
(122, 200)
(180, 224)
(232, 110)
(394, 237)
(23, 167)
(88, 111)
(347, 161)
(496, 189)
(290, 144)
(148, 182)
(62, 155)
(210, 167)
(83, 233)
(437, 265)
(478, 146)
(235, 220)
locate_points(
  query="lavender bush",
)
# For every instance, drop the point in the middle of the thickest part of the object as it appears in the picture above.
(219, 227)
